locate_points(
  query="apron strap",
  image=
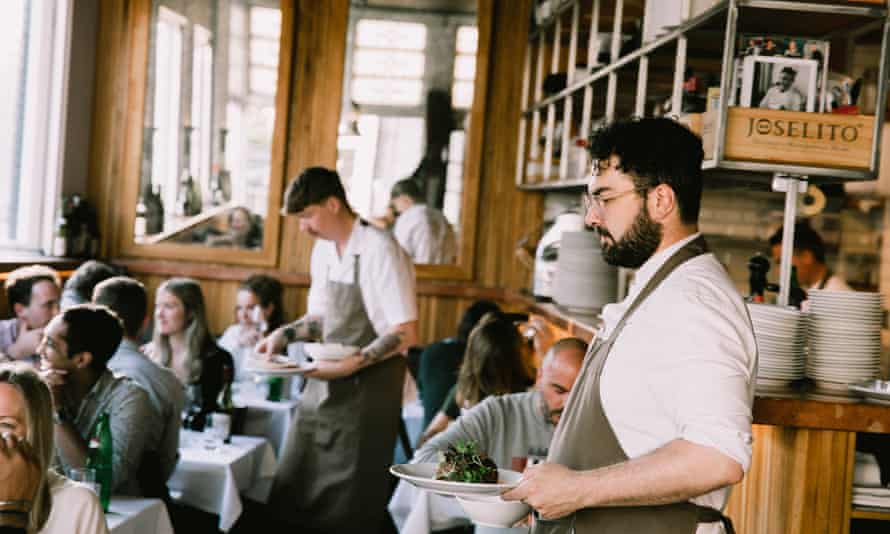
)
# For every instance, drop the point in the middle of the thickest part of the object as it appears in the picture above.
(706, 514)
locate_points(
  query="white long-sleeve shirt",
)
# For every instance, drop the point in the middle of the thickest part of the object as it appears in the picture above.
(684, 365)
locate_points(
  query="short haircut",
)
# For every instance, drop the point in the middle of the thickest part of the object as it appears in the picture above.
(407, 187)
(269, 291)
(313, 186)
(654, 152)
(20, 281)
(85, 278)
(805, 238)
(95, 329)
(127, 298)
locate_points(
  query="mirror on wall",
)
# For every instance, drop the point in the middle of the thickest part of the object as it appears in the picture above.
(409, 79)
(208, 125)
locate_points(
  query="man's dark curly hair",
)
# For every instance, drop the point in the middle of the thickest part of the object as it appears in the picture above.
(654, 152)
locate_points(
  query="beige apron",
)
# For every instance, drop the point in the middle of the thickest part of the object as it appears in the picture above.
(333, 475)
(584, 439)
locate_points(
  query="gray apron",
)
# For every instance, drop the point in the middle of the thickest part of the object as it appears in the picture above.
(584, 439)
(333, 475)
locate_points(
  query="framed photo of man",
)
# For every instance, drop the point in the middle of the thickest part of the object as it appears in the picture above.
(776, 82)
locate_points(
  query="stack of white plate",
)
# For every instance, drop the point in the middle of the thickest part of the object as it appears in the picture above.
(780, 333)
(844, 332)
(584, 282)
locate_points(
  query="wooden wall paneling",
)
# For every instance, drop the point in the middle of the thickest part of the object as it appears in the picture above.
(110, 105)
(505, 213)
(219, 299)
(320, 50)
(799, 483)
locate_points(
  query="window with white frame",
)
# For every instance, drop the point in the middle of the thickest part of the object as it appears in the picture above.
(33, 73)
(202, 102)
(388, 63)
(167, 105)
(254, 40)
(464, 67)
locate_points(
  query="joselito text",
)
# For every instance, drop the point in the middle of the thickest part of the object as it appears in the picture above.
(823, 131)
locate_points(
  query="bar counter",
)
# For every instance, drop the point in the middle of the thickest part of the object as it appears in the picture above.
(801, 475)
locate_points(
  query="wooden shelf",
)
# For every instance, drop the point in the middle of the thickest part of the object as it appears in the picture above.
(863, 512)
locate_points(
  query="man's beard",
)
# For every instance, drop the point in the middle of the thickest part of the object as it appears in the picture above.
(637, 244)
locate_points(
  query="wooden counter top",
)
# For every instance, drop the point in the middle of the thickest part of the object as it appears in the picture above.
(791, 409)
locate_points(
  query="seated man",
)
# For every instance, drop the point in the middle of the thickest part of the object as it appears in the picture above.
(127, 298)
(33, 294)
(78, 289)
(507, 427)
(424, 232)
(74, 355)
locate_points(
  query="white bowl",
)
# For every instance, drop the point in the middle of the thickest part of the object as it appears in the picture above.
(492, 511)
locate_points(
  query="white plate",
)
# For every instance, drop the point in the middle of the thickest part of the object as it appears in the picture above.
(285, 370)
(329, 351)
(423, 476)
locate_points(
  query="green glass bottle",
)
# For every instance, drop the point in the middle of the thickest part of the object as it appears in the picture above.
(100, 458)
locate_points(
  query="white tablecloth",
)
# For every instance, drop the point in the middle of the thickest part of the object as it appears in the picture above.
(266, 419)
(212, 480)
(132, 515)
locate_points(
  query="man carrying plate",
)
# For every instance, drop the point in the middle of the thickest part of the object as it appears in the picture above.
(658, 424)
(333, 472)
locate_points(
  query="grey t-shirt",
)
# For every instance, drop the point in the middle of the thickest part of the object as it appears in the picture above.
(504, 427)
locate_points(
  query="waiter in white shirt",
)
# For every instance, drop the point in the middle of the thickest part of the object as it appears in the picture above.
(333, 475)
(424, 232)
(658, 424)
(809, 259)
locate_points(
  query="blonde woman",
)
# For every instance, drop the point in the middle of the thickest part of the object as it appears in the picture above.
(182, 341)
(26, 415)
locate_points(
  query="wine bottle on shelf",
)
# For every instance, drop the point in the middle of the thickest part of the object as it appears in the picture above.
(60, 235)
(141, 222)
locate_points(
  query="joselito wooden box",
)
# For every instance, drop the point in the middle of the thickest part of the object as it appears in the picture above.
(790, 137)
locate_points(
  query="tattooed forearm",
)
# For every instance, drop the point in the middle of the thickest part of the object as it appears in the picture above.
(382, 347)
(305, 329)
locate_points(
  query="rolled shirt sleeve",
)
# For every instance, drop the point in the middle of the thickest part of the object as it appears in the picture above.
(683, 368)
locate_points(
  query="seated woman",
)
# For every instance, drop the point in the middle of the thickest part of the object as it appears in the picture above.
(258, 311)
(26, 420)
(182, 342)
(440, 362)
(492, 365)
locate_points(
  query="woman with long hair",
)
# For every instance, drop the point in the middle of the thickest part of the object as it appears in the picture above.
(492, 365)
(182, 341)
(258, 311)
(26, 417)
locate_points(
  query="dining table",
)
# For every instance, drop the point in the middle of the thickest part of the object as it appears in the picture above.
(137, 515)
(265, 418)
(213, 477)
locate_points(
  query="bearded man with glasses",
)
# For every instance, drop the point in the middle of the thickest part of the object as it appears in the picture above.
(658, 425)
